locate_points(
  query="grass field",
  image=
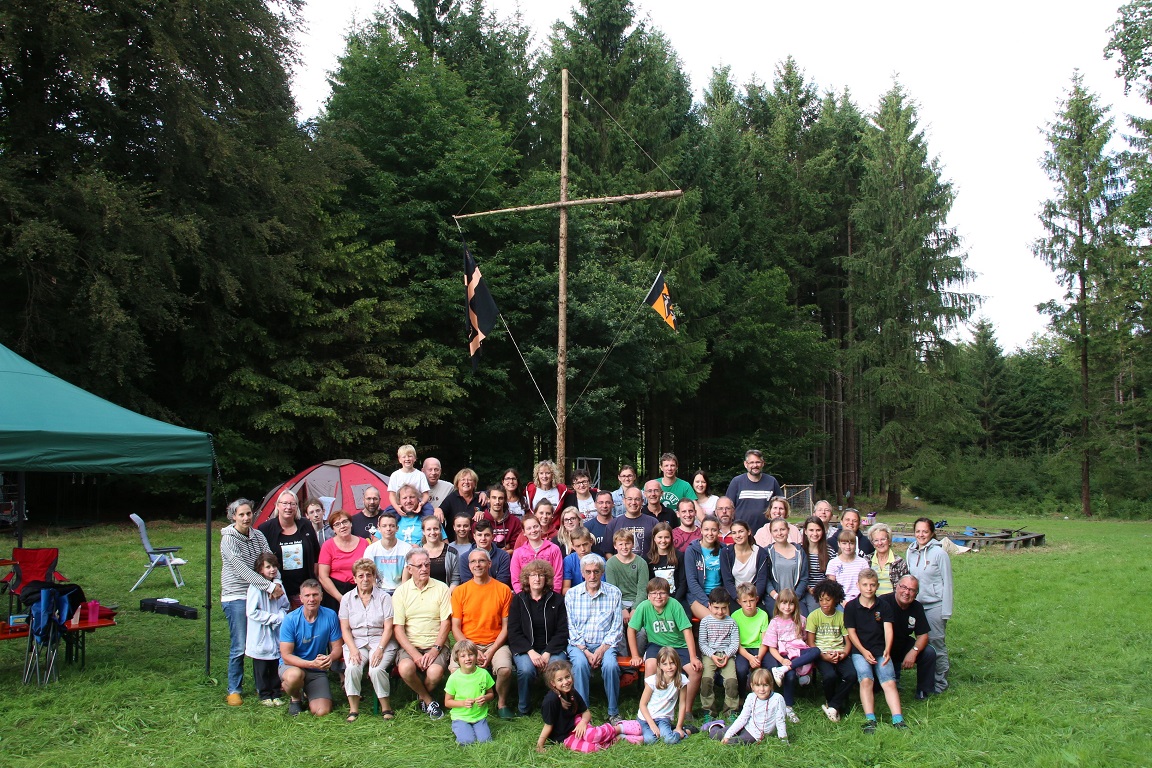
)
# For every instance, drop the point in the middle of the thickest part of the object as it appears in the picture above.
(1050, 666)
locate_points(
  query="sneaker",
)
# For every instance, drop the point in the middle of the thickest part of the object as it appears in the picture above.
(900, 726)
(278, 702)
(294, 708)
(423, 706)
(615, 720)
(778, 675)
(234, 699)
(434, 710)
(831, 712)
(268, 702)
(804, 679)
(869, 726)
(791, 715)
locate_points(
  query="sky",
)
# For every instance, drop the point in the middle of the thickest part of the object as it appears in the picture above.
(987, 76)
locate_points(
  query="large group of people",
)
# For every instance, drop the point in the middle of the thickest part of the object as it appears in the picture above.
(485, 591)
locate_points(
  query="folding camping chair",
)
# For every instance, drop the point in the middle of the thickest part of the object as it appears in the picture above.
(31, 565)
(164, 556)
(45, 628)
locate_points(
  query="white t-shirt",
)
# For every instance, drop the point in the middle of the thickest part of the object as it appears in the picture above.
(587, 507)
(746, 571)
(439, 491)
(552, 494)
(389, 563)
(664, 700)
(415, 478)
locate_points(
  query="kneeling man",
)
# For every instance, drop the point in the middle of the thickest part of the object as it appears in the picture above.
(310, 641)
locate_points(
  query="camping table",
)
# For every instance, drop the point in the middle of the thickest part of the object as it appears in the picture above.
(7, 563)
(76, 633)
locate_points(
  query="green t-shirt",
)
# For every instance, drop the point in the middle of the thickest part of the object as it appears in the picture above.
(751, 627)
(829, 630)
(665, 629)
(630, 578)
(472, 686)
(671, 494)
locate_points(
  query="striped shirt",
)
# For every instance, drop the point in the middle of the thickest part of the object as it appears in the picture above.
(594, 620)
(719, 636)
(238, 554)
(847, 574)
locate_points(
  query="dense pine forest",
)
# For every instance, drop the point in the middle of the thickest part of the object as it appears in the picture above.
(174, 239)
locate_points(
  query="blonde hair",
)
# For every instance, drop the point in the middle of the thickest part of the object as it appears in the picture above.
(762, 676)
(463, 646)
(405, 450)
(788, 596)
(664, 655)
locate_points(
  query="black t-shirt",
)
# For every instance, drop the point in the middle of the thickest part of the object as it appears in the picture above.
(454, 506)
(364, 526)
(906, 622)
(298, 553)
(868, 623)
(563, 721)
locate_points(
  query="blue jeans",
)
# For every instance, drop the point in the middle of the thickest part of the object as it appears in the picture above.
(525, 673)
(609, 673)
(807, 656)
(879, 673)
(667, 731)
(235, 613)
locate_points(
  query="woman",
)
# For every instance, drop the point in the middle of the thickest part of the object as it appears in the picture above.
(818, 553)
(705, 501)
(788, 565)
(314, 511)
(240, 545)
(742, 562)
(366, 624)
(778, 508)
(930, 564)
(445, 562)
(537, 627)
(514, 494)
(337, 557)
(665, 561)
(294, 543)
(570, 520)
(536, 547)
(462, 500)
(702, 567)
(889, 566)
(544, 486)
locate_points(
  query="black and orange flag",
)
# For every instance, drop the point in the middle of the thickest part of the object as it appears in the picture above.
(479, 309)
(660, 301)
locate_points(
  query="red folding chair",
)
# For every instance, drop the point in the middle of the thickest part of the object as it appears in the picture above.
(31, 565)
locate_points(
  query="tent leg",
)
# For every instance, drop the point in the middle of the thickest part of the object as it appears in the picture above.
(208, 576)
(20, 502)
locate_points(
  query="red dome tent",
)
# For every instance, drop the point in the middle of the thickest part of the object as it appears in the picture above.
(342, 479)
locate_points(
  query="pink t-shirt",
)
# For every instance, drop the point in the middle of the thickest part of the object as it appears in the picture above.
(341, 562)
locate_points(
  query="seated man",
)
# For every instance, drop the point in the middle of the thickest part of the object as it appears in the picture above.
(310, 640)
(480, 614)
(594, 631)
(910, 646)
(422, 616)
(483, 536)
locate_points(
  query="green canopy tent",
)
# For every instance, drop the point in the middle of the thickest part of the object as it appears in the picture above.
(49, 425)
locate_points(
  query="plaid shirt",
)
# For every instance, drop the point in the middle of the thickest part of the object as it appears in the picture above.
(594, 620)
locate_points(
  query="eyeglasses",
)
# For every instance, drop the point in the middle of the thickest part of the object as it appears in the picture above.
(340, 523)
(419, 566)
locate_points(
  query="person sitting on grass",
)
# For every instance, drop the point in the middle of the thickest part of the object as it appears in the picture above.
(310, 641)
(466, 695)
(567, 719)
(666, 624)
(582, 543)
(262, 645)
(665, 696)
(870, 630)
(825, 630)
(719, 642)
(626, 571)
(761, 715)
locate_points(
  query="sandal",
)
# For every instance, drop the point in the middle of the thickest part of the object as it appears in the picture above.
(352, 716)
(388, 715)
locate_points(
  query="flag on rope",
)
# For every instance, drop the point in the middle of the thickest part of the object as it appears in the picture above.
(480, 310)
(660, 301)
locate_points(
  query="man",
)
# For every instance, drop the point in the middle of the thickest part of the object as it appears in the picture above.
(823, 510)
(438, 489)
(506, 527)
(364, 523)
(910, 646)
(310, 641)
(627, 478)
(725, 513)
(389, 554)
(655, 505)
(673, 488)
(422, 618)
(594, 631)
(689, 529)
(752, 491)
(294, 543)
(634, 520)
(480, 614)
(850, 521)
(484, 537)
(598, 525)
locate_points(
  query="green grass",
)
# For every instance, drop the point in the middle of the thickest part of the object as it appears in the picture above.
(1049, 668)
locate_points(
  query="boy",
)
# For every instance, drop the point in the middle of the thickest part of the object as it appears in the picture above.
(825, 630)
(666, 624)
(627, 572)
(407, 475)
(388, 554)
(752, 621)
(870, 629)
(673, 488)
(582, 542)
(506, 527)
(719, 641)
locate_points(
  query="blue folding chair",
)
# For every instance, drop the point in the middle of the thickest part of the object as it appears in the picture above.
(46, 626)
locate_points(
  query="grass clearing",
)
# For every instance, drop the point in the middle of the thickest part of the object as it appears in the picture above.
(1049, 668)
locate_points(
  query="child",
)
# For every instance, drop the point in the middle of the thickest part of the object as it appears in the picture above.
(467, 693)
(408, 475)
(784, 639)
(388, 553)
(825, 630)
(870, 628)
(667, 626)
(752, 621)
(846, 567)
(582, 543)
(566, 716)
(265, 613)
(658, 702)
(627, 572)
(763, 713)
(665, 562)
(719, 641)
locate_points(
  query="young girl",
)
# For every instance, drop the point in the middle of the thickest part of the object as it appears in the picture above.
(466, 695)
(461, 537)
(445, 561)
(784, 639)
(845, 569)
(567, 718)
(662, 692)
(664, 561)
(265, 613)
(762, 713)
(816, 548)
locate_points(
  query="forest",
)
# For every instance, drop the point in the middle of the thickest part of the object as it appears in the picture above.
(173, 238)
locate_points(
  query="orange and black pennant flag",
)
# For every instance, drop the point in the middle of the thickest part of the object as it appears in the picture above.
(660, 301)
(480, 310)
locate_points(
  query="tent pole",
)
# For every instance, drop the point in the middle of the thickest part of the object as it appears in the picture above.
(208, 576)
(20, 509)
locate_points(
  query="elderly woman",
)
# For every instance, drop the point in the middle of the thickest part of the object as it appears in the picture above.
(337, 556)
(240, 545)
(889, 566)
(778, 509)
(463, 500)
(293, 541)
(537, 627)
(366, 624)
(544, 486)
(930, 564)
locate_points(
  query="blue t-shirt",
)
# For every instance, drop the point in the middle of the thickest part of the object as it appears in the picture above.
(572, 570)
(711, 569)
(310, 640)
(410, 530)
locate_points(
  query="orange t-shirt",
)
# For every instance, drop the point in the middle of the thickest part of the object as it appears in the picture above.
(481, 609)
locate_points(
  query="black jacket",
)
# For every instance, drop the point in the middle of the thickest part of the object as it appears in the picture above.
(521, 635)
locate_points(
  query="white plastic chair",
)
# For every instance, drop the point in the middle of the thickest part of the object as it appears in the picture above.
(164, 556)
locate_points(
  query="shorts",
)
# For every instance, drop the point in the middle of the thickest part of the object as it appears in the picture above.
(654, 650)
(441, 657)
(502, 659)
(316, 683)
(881, 673)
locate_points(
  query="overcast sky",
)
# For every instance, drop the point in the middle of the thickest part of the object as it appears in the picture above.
(988, 76)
